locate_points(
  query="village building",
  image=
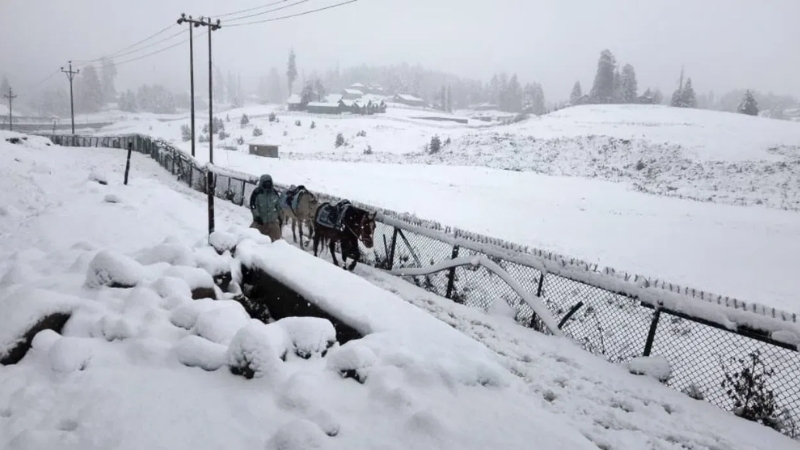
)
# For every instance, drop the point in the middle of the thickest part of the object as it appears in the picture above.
(352, 94)
(263, 148)
(409, 100)
(294, 103)
(324, 108)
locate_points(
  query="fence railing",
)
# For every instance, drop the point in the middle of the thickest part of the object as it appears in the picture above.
(739, 356)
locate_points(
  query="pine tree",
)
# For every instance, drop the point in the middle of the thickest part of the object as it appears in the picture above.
(617, 86)
(291, 70)
(538, 100)
(89, 95)
(307, 94)
(748, 105)
(514, 95)
(628, 84)
(127, 101)
(576, 94)
(658, 97)
(109, 74)
(688, 97)
(603, 86)
(319, 88)
(648, 96)
(677, 96)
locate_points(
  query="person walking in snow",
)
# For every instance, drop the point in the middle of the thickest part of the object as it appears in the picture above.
(266, 209)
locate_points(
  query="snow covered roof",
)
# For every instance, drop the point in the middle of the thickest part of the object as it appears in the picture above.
(323, 105)
(333, 98)
(294, 99)
(410, 98)
(353, 92)
(357, 86)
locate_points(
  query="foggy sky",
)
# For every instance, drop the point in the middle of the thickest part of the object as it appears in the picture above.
(723, 44)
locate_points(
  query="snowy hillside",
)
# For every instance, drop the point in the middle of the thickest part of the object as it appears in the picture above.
(151, 358)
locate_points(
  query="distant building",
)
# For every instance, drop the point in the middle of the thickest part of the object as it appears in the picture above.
(410, 100)
(324, 108)
(333, 98)
(260, 148)
(485, 107)
(294, 103)
(352, 94)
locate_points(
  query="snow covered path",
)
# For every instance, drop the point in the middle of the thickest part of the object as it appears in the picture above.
(744, 252)
(54, 217)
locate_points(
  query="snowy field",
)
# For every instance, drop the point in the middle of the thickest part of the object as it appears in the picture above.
(121, 365)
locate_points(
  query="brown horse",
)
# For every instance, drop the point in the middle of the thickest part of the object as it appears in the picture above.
(346, 224)
(300, 209)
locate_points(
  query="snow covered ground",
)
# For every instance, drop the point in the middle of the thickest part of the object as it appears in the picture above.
(118, 376)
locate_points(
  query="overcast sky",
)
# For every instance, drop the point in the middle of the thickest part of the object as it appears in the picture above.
(723, 44)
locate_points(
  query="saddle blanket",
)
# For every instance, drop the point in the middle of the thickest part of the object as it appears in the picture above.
(291, 197)
(332, 216)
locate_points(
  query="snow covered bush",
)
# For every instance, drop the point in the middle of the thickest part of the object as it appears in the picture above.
(313, 124)
(368, 150)
(223, 135)
(194, 351)
(115, 270)
(272, 117)
(257, 132)
(298, 123)
(694, 391)
(361, 133)
(186, 133)
(435, 145)
(240, 141)
(244, 120)
(221, 324)
(339, 140)
(309, 335)
(300, 434)
(652, 366)
(203, 138)
(352, 361)
(252, 353)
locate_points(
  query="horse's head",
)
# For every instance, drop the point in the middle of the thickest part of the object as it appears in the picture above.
(367, 228)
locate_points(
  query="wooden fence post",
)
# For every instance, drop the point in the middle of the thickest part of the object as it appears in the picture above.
(451, 276)
(391, 249)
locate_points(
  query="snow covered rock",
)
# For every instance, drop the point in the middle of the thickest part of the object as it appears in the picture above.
(18, 273)
(70, 354)
(112, 198)
(24, 312)
(172, 254)
(352, 361)
(252, 353)
(173, 290)
(309, 335)
(221, 324)
(115, 328)
(185, 316)
(652, 366)
(98, 177)
(222, 241)
(299, 434)
(200, 282)
(300, 391)
(194, 351)
(326, 422)
(112, 269)
(220, 266)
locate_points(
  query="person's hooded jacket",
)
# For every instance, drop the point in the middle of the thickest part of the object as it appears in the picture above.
(265, 202)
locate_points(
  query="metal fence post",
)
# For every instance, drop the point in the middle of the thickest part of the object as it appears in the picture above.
(451, 276)
(391, 249)
(648, 345)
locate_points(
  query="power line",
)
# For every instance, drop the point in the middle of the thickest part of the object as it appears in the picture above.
(145, 47)
(116, 53)
(292, 15)
(270, 10)
(250, 9)
(43, 80)
(157, 51)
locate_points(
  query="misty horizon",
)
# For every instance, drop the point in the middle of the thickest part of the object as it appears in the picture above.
(739, 46)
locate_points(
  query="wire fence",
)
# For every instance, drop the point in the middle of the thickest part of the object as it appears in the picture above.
(739, 368)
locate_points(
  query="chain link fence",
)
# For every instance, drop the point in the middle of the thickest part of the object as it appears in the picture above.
(739, 369)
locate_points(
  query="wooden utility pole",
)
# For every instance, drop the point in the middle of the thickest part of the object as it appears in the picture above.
(71, 75)
(192, 24)
(10, 96)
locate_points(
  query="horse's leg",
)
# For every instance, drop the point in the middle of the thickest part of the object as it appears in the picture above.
(332, 247)
(300, 229)
(316, 243)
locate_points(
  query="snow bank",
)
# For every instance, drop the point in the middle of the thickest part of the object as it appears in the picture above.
(185, 316)
(173, 254)
(309, 335)
(71, 354)
(352, 360)
(113, 269)
(299, 434)
(221, 323)
(194, 351)
(223, 241)
(652, 366)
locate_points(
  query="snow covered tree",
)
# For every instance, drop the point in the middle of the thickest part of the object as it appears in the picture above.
(109, 74)
(748, 105)
(628, 85)
(319, 88)
(291, 70)
(677, 96)
(658, 97)
(127, 101)
(513, 95)
(688, 98)
(603, 86)
(576, 94)
(307, 94)
(617, 87)
(89, 91)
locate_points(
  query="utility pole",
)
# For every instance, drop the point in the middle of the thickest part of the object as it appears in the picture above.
(203, 22)
(192, 24)
(71, 75)
(10, 96)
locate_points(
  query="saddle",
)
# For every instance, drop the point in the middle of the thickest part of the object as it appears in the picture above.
(292, 196)
(332, 216)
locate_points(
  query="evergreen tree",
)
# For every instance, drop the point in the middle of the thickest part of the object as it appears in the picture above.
(319, 88)
(307, 94)
(677, 96)
(688, 98)
(514, 95)
(628, 84)
(658, 97)
(127, 101)
(576, 94)
(89, 91)
(748, 105)
(617, 87)
(291, 70)
(648, 96)
(109, 74)
(603, 86)
(449, 101)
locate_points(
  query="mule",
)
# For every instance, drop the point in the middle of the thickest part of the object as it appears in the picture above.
(347, 225)
(299, 207)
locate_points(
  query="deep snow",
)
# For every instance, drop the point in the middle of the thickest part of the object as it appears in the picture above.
(121, 366)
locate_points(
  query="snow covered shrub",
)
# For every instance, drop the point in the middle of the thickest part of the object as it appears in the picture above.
(244, 121)
(300, 434)
(309, 335)
(339, 140)
(313, 125)
(435, 145)
(285, 133)
(257, 131)
(652, 366)
(272, 117)
(240, 141)
(361, 133)
(640, 165)
(194, 351)
(113, 270)
(203, 138)
(745, 384)
(252, 354)
(352, 361)
(227, 118)
(186, 133)
(368, 150)
(298, 123)
(223, 135)
(447, 142)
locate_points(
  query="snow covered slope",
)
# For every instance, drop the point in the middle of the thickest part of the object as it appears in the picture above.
(120, 367)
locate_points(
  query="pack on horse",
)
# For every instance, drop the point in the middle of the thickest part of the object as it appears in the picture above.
(346, 224)
(299, 205)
